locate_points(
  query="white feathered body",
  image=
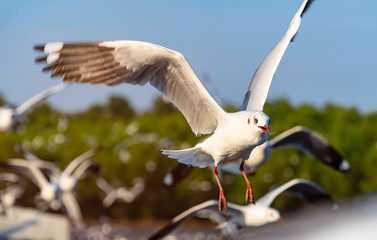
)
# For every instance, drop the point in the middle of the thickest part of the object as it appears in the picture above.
(259, 155)
(235, 137)
(250, 215)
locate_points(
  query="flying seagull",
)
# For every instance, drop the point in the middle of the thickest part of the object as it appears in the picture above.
(57, 189)
(304, 139)
(234, 136)
(121, 193)
(74, 171)
(33, 172)
(10, 194)
(10, 117)
(251, 215)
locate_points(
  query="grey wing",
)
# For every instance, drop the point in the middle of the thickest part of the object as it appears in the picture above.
(104, 185)
(21, 170)
(301, 188)
(313, 144)
(77, 161)
(260, 83)
(47, 167)
(86, 166)
(39, 98)
(27, 169)
(10, 177)
(73, 209)
(116, 62)
(205, 209)
(110, 198)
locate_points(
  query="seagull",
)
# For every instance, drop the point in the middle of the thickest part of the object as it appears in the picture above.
(302, 138)
(10, 194)
(58, 188)
(8, 197)
(74, 171)
(32, 172)
(251, 215)
(50, 191)
(234, 136)
(10, 117)
(121, 193)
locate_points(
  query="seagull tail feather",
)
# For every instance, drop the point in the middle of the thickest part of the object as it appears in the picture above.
(191, 156)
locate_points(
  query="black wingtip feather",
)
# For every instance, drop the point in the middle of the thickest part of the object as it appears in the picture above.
(294, 37)
(41, 59)
(306, 7)
(39, 47)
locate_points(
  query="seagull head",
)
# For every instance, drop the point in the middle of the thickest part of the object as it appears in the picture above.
(67, 183)
(261, 121)
(48, 193)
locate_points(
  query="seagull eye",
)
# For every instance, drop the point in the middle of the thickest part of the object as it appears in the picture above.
(255, 120)
(248, 121)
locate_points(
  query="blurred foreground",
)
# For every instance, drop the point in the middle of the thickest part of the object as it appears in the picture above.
(356, 219)
(129, 146)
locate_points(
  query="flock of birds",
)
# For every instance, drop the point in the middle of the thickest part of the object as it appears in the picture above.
(238, 143)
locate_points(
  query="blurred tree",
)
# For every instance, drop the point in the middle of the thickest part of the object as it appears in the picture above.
(116, 107)
(161, 106)
(131, 148)
(119, 107)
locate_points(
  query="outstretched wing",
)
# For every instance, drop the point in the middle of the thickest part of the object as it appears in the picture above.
(28, 169)
(40, 97)
(259, 86)
(313, 144)
(77, 161)
(116, 62)
(208, 209)
(301, 188)
(73, 209)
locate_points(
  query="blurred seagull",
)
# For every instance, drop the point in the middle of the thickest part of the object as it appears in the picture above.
(58, 188)
(121, 193)
(10, 194)
(234, 136)
(50, 191)
(11, 177)
(304, 139)
(9, 117)
(33, 173)
(8, 197)
(74, 171)
(251, 215)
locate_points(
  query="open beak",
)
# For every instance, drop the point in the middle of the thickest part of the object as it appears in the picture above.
(265, 129)
(280, 219)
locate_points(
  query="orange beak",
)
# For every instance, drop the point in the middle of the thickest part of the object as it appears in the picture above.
(279, 219)
(265, 129)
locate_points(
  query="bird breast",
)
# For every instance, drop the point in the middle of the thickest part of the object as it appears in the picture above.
(233, 141)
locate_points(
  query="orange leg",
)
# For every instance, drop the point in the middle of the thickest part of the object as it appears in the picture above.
(249, 191)
(222, 200)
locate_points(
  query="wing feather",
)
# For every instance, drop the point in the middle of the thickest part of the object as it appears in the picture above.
(116, 62)
(301, 188)
(260, 83)
(313, 144)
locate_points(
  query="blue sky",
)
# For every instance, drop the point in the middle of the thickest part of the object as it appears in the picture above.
(332, 60)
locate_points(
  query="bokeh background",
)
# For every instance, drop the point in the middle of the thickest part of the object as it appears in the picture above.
(326, 81)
